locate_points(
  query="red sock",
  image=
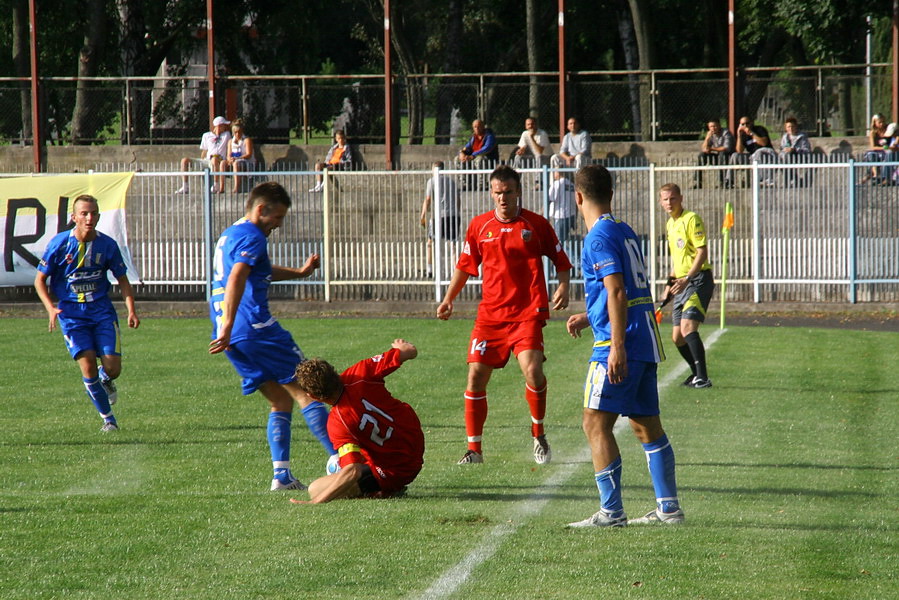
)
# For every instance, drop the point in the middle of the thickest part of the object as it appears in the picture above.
(475, 416)
(537, 403)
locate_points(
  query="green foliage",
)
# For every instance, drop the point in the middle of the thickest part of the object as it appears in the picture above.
(786, 471)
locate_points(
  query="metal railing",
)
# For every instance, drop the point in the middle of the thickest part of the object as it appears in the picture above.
(438, 108)
(808, 232)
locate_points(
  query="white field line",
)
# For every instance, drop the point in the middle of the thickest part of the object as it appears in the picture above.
(452, 579)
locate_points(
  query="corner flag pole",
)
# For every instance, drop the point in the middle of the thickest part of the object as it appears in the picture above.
(725, 231)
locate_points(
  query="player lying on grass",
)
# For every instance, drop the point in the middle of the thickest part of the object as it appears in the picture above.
(377, 437)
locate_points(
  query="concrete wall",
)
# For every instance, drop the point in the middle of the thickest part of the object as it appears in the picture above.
(67, 159)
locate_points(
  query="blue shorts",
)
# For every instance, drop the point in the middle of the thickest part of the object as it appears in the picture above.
(87, 329)
(273, 358)
(637, 395)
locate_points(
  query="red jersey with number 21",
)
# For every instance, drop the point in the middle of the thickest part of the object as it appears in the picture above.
(510, 256)
(368, 421)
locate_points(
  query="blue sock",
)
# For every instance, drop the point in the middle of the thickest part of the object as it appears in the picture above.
(278, 434)
(608, 481)
(660, 459)
(99, 397)
(316, 415)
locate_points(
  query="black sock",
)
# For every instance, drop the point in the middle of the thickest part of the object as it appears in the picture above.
(688, 356)
(697, 349)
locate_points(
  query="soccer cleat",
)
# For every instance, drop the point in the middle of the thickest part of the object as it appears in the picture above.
(287, 482)
(471, 457)
(657, 516)
(542, 452)
(109, 426)
(698, 383)
(111, 390)
(601, 519)
(688, 382)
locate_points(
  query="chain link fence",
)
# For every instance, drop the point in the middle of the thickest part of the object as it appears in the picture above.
(438, 109)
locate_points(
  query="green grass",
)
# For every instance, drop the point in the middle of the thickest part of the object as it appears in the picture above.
(787, 471)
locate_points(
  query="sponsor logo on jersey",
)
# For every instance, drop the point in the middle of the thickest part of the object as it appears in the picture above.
(526, 234)
(681, 243)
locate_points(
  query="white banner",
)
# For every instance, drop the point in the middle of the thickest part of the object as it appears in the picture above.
(34, 209)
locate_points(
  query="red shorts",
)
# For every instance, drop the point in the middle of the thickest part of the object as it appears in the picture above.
(493, 344)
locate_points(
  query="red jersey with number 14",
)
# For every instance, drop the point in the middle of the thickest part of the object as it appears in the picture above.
(510, 253)
(368, 423)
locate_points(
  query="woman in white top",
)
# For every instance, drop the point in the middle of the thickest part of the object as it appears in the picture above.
(240, 153)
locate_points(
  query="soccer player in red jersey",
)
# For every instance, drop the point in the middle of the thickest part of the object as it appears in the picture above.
(377, 437)
(508, 244)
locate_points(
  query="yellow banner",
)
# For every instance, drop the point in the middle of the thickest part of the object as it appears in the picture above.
(34, 209)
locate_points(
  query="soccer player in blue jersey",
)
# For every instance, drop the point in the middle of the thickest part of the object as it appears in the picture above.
(621, 379)
(74, 268)
(263, 353)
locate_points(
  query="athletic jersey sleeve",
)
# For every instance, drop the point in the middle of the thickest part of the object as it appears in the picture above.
(374, 368)
(470, 256)
(696, 231)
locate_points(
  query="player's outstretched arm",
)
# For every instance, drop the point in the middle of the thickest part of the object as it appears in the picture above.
(407, 350)
(43, 292)
(280, 273)
(342, 484)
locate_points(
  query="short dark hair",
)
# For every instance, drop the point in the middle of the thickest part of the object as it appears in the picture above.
(594, 182)
(792, 120)
(84, 198)
(318, 378)
(269, 193)
(506, 173)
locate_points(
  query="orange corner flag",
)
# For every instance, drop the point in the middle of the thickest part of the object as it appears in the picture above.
(728, 217)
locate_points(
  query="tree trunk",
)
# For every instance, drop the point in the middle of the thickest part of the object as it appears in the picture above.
(21, 57)
(406, 58)
(88, 66)
(643, 35)
(446, 97)
(533, 59)
(631, 62)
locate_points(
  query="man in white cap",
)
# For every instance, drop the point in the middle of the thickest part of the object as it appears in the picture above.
(213, 151)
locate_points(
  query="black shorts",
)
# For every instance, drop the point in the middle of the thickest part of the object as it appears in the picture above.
(693, 302)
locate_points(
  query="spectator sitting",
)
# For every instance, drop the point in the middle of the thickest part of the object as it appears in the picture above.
(576, 149)
(213, 150)
(794, 147)
(562, 209)
(481, 146)
(753, 143)
(534, 148)
(878, 145)
(240, 153)
(716, 148)
(339, 158)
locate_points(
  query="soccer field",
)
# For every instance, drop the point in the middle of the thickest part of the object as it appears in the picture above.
(787, 472)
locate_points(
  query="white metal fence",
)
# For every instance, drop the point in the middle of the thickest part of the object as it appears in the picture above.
(815, 233)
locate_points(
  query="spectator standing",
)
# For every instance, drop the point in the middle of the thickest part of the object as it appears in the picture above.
(213, 153)
(716, 149)
(240, 153)
(753, 142)
(447, 209)
(508, 245)
(339, 158)
(576, 149)
(562, 209)
(89, 323)
(262, 352)
(691, 280)
(377, 437)
(622, 377)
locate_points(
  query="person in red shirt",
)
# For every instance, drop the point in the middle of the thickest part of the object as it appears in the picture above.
(378, 438)
(508, 244)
